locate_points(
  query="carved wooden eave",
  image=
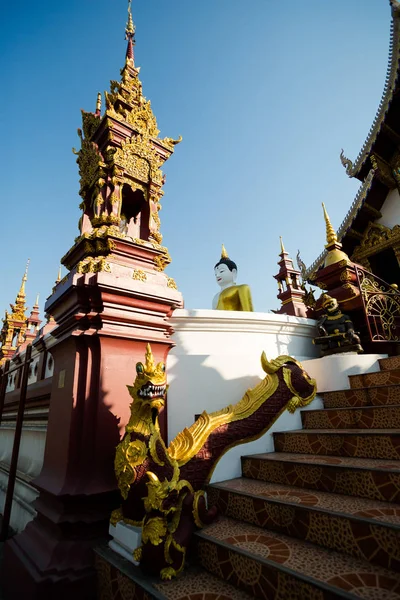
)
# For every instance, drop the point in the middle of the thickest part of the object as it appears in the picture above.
(382, 126)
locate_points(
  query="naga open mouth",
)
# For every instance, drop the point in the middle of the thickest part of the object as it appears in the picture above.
(149, 390)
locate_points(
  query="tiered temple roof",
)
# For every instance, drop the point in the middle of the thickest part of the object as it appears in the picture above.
(377, 165)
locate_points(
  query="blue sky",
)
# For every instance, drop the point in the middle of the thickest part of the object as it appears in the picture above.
(264, 93)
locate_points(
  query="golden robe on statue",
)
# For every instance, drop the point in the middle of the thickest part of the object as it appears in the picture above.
(236, 297)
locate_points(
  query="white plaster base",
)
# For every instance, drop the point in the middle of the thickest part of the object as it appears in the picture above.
(217, 357)
(126, 539)
(332, 372)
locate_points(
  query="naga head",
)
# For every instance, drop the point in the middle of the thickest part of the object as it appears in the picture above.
(150, 384)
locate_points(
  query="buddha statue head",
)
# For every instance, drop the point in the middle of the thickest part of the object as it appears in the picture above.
(225, 270)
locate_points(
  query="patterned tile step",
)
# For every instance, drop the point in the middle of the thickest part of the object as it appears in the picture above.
(118, 579)
(361, 443)
(366, 529)
(388, 377)
(365, 478)
(386, 364)
(372, 396)
(277, 567)
(198, 584)
(367, 417)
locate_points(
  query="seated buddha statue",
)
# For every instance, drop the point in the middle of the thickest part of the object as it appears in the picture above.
(231, 296)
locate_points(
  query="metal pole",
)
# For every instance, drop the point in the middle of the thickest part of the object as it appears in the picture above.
(15, 451)
(3, 387)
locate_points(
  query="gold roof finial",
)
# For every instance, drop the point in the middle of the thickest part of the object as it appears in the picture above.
(331, 237)
(24, 279)
(283, 251)
(149, 366)
(59, 275)
(130, 28)
(98, 102)
(224, 253)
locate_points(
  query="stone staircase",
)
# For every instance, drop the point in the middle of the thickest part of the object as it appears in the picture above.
(317, 519)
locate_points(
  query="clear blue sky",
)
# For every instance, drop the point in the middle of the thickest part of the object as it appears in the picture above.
(264, 93)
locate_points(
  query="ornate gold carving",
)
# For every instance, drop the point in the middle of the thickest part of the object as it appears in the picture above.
(383, 171)
(93, 265)
(128, 455)
(382, 306)
(162, 261)
(171, 283)
(345, 276)
(139, 158)
(376, 238)
(139, 275)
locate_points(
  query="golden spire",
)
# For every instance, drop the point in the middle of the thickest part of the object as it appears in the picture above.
(59, 275)
(24, 278)
(130, 28)
(283, 251)
(331, 237)
(98, 103)
(224, 253)
(149, 366)
(335, 254)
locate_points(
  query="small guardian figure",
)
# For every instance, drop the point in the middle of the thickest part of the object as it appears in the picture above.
(231, 296)
(336, 330)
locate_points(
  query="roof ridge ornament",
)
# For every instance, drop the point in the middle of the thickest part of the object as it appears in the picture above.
(347, 163)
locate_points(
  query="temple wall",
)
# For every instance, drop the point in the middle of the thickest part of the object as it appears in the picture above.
(390, 210)
(217, 357)
(33, 436)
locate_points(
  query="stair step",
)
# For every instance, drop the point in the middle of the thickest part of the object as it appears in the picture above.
(378, 378)
(118, 578)
(387, 364)
(361, 443)
(346, 524)
(367, 417)
(365, 478)
(273, 566)
(373, 396)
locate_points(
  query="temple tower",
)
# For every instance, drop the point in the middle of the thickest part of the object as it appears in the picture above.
(14, 327)
(33, 322)
(291, 294)
(114, 299)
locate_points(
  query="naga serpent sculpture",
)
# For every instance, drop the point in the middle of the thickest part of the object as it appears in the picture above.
(163, 488)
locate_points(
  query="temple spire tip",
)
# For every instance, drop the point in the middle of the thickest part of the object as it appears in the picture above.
(331, 237)
(130, 33)
(283, 251)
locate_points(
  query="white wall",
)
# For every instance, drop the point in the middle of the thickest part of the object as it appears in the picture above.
(390, 210)
(30, 461)
(217, 357)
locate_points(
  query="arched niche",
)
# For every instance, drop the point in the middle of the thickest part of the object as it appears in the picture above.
(135, 213)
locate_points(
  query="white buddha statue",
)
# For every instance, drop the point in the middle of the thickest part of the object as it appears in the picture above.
(231, 296)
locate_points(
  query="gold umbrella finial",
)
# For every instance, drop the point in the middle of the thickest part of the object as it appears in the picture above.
(224, 253)
(130, 28)
(24, 279)
(331, 237)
